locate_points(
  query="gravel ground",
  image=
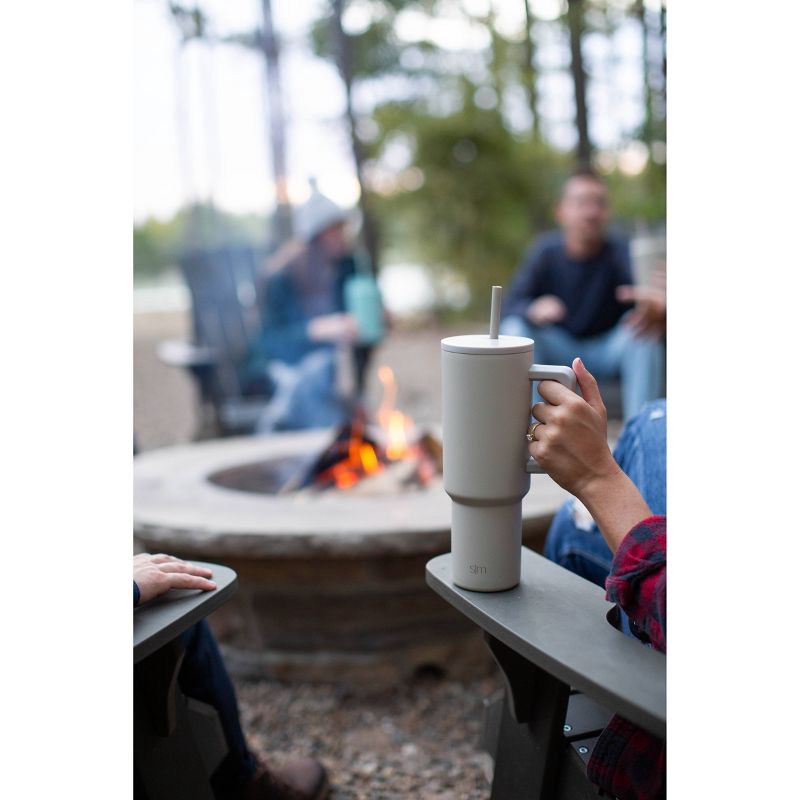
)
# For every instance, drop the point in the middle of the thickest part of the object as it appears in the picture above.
(419, 740)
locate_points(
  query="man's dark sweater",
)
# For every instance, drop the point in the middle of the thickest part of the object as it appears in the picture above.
(586, 287)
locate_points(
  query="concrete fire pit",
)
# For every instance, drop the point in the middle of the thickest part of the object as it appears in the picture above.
(331, 584)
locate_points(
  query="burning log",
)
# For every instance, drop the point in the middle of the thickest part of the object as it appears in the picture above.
(377, 463)
(351, 451)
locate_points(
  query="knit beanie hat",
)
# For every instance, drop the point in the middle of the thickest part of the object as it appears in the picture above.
(316, 214)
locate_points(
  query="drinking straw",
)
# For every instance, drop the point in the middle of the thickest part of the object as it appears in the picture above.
(494, 316)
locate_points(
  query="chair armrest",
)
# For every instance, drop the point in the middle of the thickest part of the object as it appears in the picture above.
(557, 621)
(166, 617)
(179, 353)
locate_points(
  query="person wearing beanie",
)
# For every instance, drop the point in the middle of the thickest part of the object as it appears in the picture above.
(305, 321)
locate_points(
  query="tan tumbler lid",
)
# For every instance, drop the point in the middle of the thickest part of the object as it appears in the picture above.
(483, 344)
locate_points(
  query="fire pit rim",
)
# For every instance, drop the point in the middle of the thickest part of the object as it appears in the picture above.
(175, 505)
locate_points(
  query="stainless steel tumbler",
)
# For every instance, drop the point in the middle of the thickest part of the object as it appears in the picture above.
(486, 394)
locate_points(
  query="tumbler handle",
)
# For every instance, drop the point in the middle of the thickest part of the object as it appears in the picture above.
(549, 372)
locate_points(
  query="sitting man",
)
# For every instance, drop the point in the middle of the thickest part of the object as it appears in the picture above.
(203, 676)
(573, 292)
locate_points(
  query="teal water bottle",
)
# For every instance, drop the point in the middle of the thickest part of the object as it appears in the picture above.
(362, 299)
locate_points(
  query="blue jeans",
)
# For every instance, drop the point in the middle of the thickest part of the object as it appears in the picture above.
(641, 452)
(638, 362)
(204, 677)
(305, 394)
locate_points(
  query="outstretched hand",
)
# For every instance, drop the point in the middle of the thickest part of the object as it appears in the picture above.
(649, 316)
(156, 574)
(571, 443)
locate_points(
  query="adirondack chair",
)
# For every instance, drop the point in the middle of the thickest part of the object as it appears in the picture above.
(178, 741)
(566, 671)
(226, 317)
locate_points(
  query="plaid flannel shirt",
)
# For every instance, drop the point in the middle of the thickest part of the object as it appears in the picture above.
(627, 762)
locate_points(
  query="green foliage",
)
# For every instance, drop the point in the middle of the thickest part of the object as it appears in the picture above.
(157, 244)
(639, 198)
(373, 53)
(484, 193)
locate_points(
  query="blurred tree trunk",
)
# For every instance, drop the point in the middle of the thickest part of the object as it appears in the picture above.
(663, 16)
(575, 23)
(529, 72)
(499, 54)
(277, 124)
(647, 131)
(345, 65)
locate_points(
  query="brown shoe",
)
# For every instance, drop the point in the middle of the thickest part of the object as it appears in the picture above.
(302, 779)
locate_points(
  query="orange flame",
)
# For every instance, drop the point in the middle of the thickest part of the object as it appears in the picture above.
(361, 460)
(369, 459)
(395, 423)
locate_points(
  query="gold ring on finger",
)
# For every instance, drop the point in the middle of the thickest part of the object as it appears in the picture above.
(531, 434)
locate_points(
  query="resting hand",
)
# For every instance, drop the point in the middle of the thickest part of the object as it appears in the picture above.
(333, 328)
(571, 443)
(156, 574)
(546, 310)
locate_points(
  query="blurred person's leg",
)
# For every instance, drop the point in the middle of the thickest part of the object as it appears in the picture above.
(638, 362)
(315, 402)
(552, 345)
(361, 358)
(642, 373)
(204, 677)
(305, 395)
(574, 540)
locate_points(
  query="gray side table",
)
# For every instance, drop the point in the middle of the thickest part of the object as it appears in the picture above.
(551, 638)
(178, 742)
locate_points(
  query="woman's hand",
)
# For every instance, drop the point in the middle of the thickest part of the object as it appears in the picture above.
(571, 443)
(571, 446)
(333, 328)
